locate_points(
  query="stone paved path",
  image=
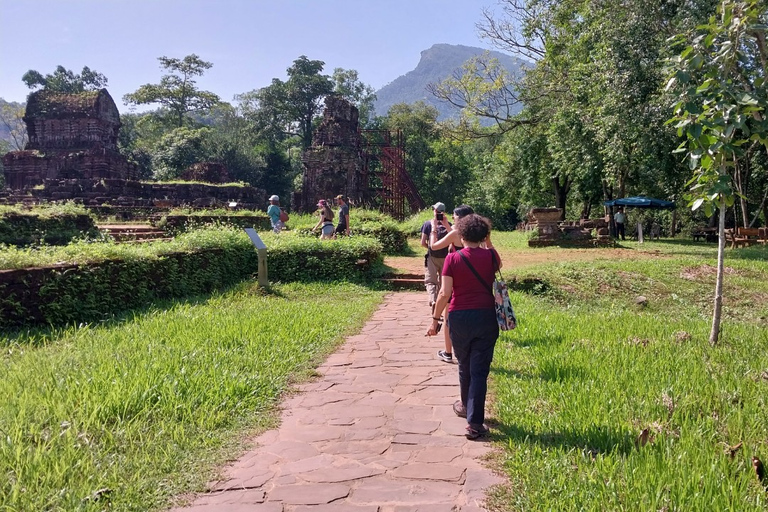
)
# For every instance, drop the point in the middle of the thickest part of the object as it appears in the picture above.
(375, 433)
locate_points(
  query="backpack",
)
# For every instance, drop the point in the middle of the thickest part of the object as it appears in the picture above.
(283, 216)
(440, 253)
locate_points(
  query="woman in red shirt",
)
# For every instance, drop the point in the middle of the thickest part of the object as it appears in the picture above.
(468, 274)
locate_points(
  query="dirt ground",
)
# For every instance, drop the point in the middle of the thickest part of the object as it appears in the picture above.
(525, 258)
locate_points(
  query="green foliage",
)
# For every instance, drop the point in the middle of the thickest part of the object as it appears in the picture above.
(721, 98)
(53, 225)
(92, 281)
(347, 85)
(177, 150)
(292, 257)
(63, 80)
(152, 405)
(367, 223)
(569, 424)
(177, 91)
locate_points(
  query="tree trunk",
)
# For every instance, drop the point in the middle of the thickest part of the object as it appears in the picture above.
(714, 334)
(673, 224)
(561, 194)
(741, 188)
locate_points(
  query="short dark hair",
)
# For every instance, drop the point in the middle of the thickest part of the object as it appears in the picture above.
(473, 228)
(462, 211)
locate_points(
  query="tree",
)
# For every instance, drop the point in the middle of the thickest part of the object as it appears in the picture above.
(290, 108)
(177, 91)
(12, 122)
(347, 85)
(418, 123)
(65, 81)
(177, 150)
(721, 82)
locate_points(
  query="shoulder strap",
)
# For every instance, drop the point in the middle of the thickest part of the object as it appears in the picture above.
(466, 260)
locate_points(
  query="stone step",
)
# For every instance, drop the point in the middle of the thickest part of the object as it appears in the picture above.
(404, 283)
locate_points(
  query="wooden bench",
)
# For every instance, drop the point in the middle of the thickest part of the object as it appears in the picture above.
(743, 237)
(707, 234)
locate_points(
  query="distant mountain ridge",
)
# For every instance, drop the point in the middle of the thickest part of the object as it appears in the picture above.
(436, 64)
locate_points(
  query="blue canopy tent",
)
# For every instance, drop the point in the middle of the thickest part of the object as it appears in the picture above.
(639, 202)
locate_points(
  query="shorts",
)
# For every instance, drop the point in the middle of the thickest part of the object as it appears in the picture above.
(327, 229)
(341, 228)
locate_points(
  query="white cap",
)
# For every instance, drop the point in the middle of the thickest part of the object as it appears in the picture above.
(440, 207)
(274, 198)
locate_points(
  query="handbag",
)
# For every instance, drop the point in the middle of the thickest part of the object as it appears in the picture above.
(283, 216)
(505, 313)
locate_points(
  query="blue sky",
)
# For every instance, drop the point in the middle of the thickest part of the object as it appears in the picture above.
(249, 42)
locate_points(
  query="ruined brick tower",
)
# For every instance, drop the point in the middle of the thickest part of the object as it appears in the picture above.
(333, 165)
(70, 136)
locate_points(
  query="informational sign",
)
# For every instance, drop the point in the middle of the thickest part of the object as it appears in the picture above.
(262, 250)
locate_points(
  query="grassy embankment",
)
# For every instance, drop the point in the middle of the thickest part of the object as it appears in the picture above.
(147, 405)
(589, 369)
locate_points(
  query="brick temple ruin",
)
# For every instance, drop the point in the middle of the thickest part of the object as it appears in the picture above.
(72, 154)
(341, 161)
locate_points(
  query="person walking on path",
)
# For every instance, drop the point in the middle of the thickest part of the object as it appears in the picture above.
(433, 260)
(468, 274)
(343, 225)
(452, 242)
(326, 220)
(620, 218)
(274, 214)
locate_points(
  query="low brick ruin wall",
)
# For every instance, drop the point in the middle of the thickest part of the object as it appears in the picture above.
(115, 192)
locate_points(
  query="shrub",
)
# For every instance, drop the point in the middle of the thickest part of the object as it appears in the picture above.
(85, 282)
(293, 257)
(52, 225)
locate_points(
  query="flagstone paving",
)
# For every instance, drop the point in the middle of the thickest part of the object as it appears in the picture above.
(375, 433)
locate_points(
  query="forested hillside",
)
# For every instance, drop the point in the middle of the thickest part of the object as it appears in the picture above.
(437, 63)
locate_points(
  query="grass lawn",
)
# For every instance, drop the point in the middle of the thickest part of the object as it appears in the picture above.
(146, 407)
(601, 403)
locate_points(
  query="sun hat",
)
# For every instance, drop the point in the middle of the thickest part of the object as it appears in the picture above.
(274, 198)
(440, 207)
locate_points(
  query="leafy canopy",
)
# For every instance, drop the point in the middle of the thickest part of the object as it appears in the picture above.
(177, 90)
(65, 81)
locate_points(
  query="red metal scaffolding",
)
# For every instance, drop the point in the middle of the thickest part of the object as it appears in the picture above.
(397, 194)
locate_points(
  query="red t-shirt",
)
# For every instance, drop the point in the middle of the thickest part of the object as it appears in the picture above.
(468, 291)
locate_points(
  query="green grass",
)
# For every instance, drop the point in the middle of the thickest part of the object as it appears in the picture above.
(588, 369)
(149, 405)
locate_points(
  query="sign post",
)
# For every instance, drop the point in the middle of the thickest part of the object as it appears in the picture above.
(262, 251)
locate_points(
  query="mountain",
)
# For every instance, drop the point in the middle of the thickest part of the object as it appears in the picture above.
(436, 64)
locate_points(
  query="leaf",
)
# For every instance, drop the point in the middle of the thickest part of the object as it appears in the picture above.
(746, 98)
(697, 203)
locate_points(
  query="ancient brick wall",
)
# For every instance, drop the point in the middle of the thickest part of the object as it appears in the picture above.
(119, 192)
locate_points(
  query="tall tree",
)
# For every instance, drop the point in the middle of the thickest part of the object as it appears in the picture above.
(347, 85)
(285, 109)
(720, 77)
(177, 91)
(65, 81)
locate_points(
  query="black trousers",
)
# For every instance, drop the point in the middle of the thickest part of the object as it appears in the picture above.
(620, 230)
(474, 333)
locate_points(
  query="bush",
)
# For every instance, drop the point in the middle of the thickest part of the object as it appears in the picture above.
(52, 225)
(293, 257)
(86, 282)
